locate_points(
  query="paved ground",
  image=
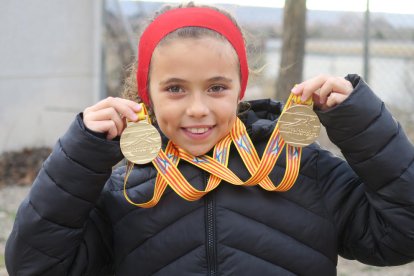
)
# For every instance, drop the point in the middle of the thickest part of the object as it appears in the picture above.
(10, 197)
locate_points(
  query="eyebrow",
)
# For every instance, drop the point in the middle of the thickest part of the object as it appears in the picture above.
(172, 80)
(220, 78)
(178, 80)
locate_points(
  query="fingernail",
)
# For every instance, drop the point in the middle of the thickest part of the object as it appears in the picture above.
(295, 89)
(137, 107)
(134, 117)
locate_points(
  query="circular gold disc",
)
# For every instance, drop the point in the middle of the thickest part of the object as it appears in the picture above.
(140, 142)
(299, 126)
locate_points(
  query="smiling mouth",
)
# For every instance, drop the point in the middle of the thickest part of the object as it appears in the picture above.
(197, 130)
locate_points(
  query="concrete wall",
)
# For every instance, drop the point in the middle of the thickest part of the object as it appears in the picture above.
(50, 66)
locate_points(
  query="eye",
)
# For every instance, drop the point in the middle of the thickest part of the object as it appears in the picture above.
(175, 89)
(217, 88)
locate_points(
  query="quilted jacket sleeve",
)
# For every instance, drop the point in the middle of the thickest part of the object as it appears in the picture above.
(57, 230)
(372, 195)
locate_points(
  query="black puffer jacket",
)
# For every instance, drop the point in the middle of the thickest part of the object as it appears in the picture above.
(68, 225)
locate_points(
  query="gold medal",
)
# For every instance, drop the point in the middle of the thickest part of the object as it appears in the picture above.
(140, 142)
(299, 125)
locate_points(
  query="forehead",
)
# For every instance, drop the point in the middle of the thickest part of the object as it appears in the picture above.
(205, 52)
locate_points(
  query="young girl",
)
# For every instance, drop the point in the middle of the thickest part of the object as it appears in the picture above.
(192, 74)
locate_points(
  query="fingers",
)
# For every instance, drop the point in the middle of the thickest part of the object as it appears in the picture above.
(307, 88)
(109, 116)
(334, 85)
(104, 127)
(326, 91)
(125, 107)
(335, 99)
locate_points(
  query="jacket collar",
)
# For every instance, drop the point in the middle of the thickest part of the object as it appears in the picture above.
(260, 118)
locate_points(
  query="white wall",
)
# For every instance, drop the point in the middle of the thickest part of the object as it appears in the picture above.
(50, 60)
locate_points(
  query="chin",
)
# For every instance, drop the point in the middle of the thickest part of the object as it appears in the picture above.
(197, 151)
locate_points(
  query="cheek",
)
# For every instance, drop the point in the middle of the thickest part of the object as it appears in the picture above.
(156, 104)
(232, 120)
(165, 118)
(227, 113)
(159, 114)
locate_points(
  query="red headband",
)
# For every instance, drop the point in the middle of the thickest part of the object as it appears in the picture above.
(187, 17)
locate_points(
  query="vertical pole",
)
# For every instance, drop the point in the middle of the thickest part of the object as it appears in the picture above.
(102, 73)
(366, 42)
(98, 52)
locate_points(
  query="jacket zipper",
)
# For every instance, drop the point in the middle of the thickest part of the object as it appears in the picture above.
(211, 237)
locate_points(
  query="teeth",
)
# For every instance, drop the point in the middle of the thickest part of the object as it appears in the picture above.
(198, 130)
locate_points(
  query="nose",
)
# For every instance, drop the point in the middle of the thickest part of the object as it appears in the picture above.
(197, 106)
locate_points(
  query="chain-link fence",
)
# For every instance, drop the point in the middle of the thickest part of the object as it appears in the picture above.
(336, 45)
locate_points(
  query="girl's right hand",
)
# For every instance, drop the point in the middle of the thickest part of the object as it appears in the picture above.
(109, 116)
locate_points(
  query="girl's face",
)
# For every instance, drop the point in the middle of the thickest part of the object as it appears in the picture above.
(194, 87)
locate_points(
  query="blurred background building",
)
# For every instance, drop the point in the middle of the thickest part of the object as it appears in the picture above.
(50, 67)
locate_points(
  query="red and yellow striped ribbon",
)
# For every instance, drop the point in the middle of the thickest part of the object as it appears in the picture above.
(168, 174)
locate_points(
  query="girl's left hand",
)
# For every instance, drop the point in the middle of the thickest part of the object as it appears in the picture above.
(326, 91)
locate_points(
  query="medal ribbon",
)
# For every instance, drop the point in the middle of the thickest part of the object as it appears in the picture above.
(166, 164)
